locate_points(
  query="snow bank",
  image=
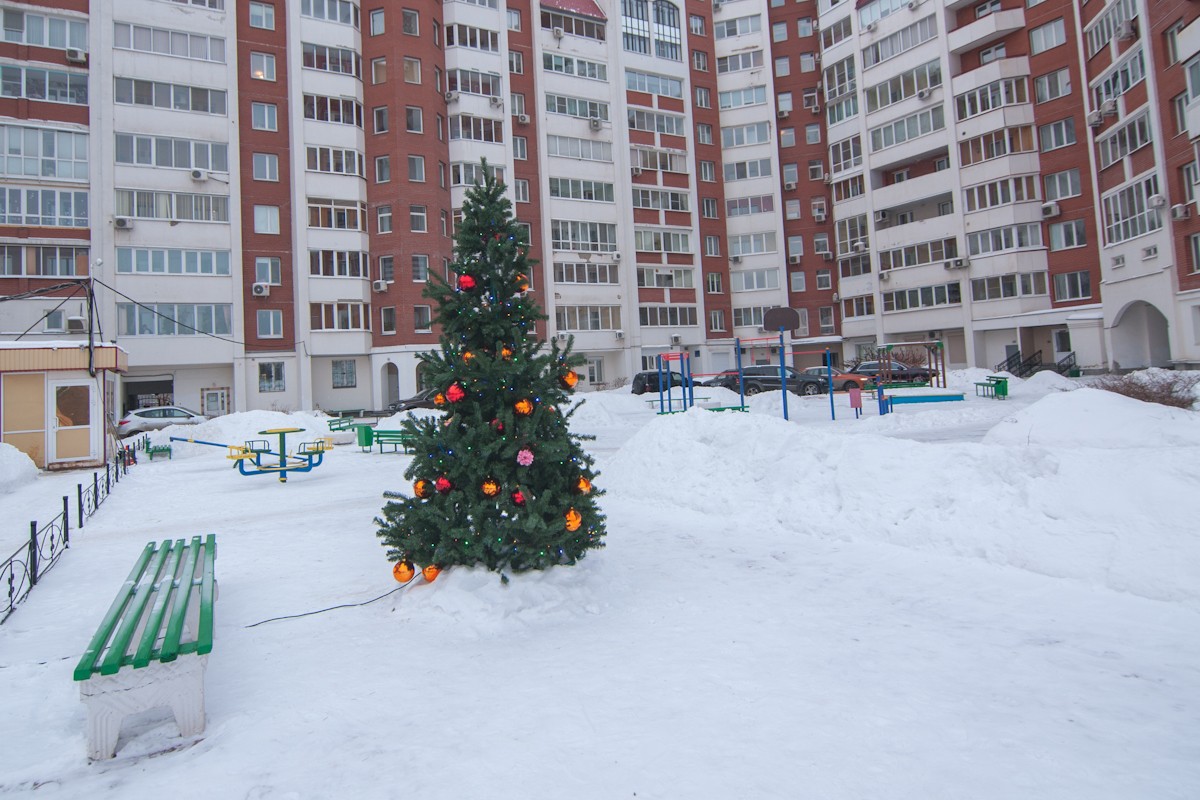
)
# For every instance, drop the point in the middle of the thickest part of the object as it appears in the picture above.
(1066, 513)
(236, 429)
(1049, 381)
(1096, 418)
(16, 468)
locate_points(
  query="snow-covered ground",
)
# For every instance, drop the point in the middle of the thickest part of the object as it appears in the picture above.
(981, 599)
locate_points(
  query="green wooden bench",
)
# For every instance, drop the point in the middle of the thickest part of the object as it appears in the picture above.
(342, 423)
(993, 386)
(395, 438)
(152, 646)
(158, 450)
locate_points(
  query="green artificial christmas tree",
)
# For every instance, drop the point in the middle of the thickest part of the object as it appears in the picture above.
(498, 478)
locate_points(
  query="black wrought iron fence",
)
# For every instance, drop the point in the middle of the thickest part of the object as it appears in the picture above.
(21, 571)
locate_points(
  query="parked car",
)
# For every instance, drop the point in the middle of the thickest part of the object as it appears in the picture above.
(152, 419)
(648, 381)
(765, 378)
(842, 379)
(900, 372)
(422, 399)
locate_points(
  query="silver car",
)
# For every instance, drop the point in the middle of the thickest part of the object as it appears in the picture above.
(151, 419)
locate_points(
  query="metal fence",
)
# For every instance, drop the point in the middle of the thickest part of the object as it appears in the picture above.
(47, 542)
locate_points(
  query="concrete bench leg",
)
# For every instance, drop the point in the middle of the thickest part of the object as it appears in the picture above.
(178, 685)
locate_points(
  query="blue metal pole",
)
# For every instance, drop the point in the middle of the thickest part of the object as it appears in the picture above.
(737, 357)
(783, 375)
(829, 377)
(689, 386)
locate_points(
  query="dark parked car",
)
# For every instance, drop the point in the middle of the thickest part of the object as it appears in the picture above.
(766, 378)
(842, 380)
(648, 381)
(900, 372)
(422, 399)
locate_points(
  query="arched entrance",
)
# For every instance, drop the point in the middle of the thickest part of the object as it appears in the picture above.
(389, 379)
(1139, 337)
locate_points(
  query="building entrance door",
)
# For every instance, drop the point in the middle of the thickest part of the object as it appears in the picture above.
(71, 414)
(214, 402)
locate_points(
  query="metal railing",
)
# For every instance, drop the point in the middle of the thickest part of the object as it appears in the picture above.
(21, 571)
(1030, 365)
(1066, 364)
(1010, 364)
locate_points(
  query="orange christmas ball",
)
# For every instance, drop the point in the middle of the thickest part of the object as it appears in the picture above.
(574, 519)
(430, 573)
(506, 353)
(403, 571)
(569, 379)
(583, 485)
(491, 488)
(468, 355)
(523, 283)
(422, 488)
(439, 399)
(524, 407)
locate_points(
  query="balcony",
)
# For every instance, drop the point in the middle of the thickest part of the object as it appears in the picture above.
(1016, 67)
(984, 31)
(910, 191)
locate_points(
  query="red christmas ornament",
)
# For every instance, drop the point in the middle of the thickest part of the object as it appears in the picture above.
(443, 484)
(455, 393)
(518, 497)
(466, 283)
(498, 426)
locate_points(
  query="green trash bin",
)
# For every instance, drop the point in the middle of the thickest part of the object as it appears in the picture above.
(1001, 386)
(365, 435)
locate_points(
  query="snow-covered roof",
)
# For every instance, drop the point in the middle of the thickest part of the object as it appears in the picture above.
(580, 8)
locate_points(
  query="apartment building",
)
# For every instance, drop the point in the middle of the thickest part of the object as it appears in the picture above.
(261, 190)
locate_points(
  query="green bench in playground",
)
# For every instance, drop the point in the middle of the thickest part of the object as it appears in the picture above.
(342, 423)
(152, 646)
(158, 450)
(994, 386)
(395, 438)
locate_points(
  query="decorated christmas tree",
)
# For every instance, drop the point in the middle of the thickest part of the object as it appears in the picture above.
(497, 477)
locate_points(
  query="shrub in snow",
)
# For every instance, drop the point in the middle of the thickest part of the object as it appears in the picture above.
(1175, 389)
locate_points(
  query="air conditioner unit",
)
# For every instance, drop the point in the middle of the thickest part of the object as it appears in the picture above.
(819, 216)
(820, 86)
(816, 56)
(783, 113)
(1156, 200)
(123, 223)
(616, 256)
(522, 119)
(199, 174)
(1095, 119)
(735, 259)
(1180, 212)
(676, 338)
(828, 256)
(858, 247)
(451, 97)
(789, 186)
(379, 286)
(923, 94)
(1050, 210)
(635, 171)
(836, 297)
(912, 5)
(496, 101)
(260, 289)
(619, 334)
(562, 337)
(716, 7)
(957, 263)
(76, 325)
(881, 216)
(816, 109)
(595, 123)
(872, 25)
(1108, 108)
(884, 277)
(1126, 30)
(828, 179)
(558, 32)
(816, 26)
(793, 259)
(76, 56)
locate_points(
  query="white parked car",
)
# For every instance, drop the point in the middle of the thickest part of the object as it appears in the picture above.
(151, 419)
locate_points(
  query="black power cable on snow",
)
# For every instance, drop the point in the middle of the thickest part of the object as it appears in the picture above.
(404, 585)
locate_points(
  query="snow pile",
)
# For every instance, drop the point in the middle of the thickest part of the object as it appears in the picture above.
(16, 468)
(965, 379)
(237, 429)
(1050, 381)
(1062, 513)
(396, 421)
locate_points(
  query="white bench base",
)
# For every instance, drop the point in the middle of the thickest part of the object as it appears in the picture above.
(178, 685)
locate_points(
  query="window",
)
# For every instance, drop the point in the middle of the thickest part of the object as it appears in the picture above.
(696, 25)
(1048, 36)
(779, 31)
(516, 62)
(907, 128)
(262, 66)
(167, 261)
(338, 60)
(342, 110)
(783, 66)
(377, 22)
(387, 268)
(1057, 134)
(339, 263)
(1051, 86)
(387, 320)
(704, 133)
(173, 319)
(165, 42)
(1133, 135)
(335, 160)
(269, 324)
(412, 70)
(266, 167)
(812, 133)
(138, 203)
(264, 117)
(383, 219)
(380, 116)
(712, 245)
(342, 11)
(422, 319)
(420, 268)
(270, 376)
(700, 61)
(703, 97)
(989, 54)
(266, 219)
(1013, 284)
(1128, 213)
(987, 7)
(414, 121)
(1072, 286)
(1004, 239)
(63, 155)
(416, 169)
(177, 97)
(712, 283)
(410, 22)
(514, 19)
(417, 222)
(520, 148)
(708, 171)
(383, 169)
(344, 316)
(343, 373)
(1066, 235)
